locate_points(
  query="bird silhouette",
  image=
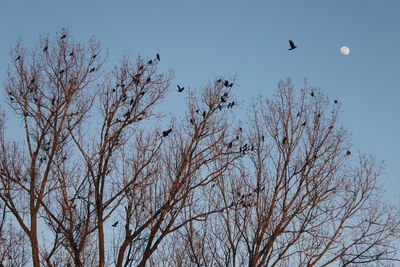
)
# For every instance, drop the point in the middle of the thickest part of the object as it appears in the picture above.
(192, 121)
(312, 94)
(166, 133)
(115, 224)
(335, 101)
(219, 80)
(150, 61)
(292, 46)
(63, 36)
(204, 114)
(92, 69)
(226, 83)
(158, 57)
(304, 123)
(45, 48)
(131, 102)
(223, 99)
(230, 145)
(348, 152)
(180, 89)
(71, 54)
(230, 85)
(284, 139)
(17, 58)
(148, 79)
(94, 56)
(61, 72)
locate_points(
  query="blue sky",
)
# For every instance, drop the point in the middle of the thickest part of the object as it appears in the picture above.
(200, 40)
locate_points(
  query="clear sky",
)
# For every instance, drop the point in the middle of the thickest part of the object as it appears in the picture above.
(200, 40)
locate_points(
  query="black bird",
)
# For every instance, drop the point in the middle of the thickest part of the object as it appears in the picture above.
(192, 121)
(312, 94)
(141, 67)
(94, 56)
(292, 46)
(158, 57)
(335, 101)
(219, 80)
(150, 62)
(33, 81)
(61, 72)
(131, 102)
(230, 145)
(230, 85)
(63, 36)
(148, 79)
(348, 152)
(45, 48)
(166, 133)
(114, 90)
(71, 54)
(226, 83)
(284, 139)
(115, 224)
(304, 123)
(180, 89)
(17, 58)
(223, 99)
(298, 114)
(92, 69)
(204, 114)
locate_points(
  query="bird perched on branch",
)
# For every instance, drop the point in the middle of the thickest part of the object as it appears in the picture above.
(166, 133)
(180, 89)
(63, 36)
(115, 224)
(158, 57)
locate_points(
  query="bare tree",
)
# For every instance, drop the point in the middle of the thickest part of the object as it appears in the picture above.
(101, 178)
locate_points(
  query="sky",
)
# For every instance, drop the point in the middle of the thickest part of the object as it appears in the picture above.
(201, 40)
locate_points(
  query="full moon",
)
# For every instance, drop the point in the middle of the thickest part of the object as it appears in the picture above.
(345, 50)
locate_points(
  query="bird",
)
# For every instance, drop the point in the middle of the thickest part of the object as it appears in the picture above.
(33, 81)
(335, 101)
(131, 102)
(63, 36)
(192, 121)
(348, 152)
(148, 79)
(158, 57)
(312, 94)
(230, 145)
(166, 133)
(180, 89)
(223, 99)
(17, 58)
(61, 71)
(219, 80)
(92, 69)
(45, 48)
(230, 85)
(94, 56)
(71, 54)
(150, 61)
(284, 139)
(204, 114)
(292, 46)
(115, 224)
(304, 123)
(226, 83)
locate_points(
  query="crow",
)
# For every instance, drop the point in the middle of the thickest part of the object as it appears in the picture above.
(45, 48)
(348, 152)
(292, 46)
(94, 56)
(223, 99)
(115, 224)
(230, 145)
(192, 121)
(204, 114)
(17, 58)
(63, 36)
(230, 85)
(335, 101)
(131, 102)
(71, 54)
(92, 69)
(150, 62)
(61, 72)
(166, 133)
(304, 123)
(312, 94)
(158, 57)
(226, 83)
(284, 139)
(180, 89)
(219, 80)
(148, 79)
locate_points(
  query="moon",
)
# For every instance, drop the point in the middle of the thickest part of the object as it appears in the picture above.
(345, 50)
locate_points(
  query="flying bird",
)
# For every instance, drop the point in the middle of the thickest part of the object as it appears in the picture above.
(158, 57)
(63, 36)
(180, 89)
(292, 46)
(166, 133)
(115, 224)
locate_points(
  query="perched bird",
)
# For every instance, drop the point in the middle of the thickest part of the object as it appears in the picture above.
(131, 102)
(92, 69)
(192, 121)
(304, 123)
(61, 72)
(298, 114)
(284, 139)
(148, 79)
(223, 99)
(158, 57)
(45, 48)
(63, 36)
(71, 54)
(335, 101)
(230, 85)
(141, 67)
(312, 94)
(115, 224)
(166, 133)
(204, 114)
(94, 56)
(114, 90)
(229, 145)
(226, 83)
(292, 46)
(219, 80)
(150, 61)
(180, 89)
(348, 152)
(17, 58)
